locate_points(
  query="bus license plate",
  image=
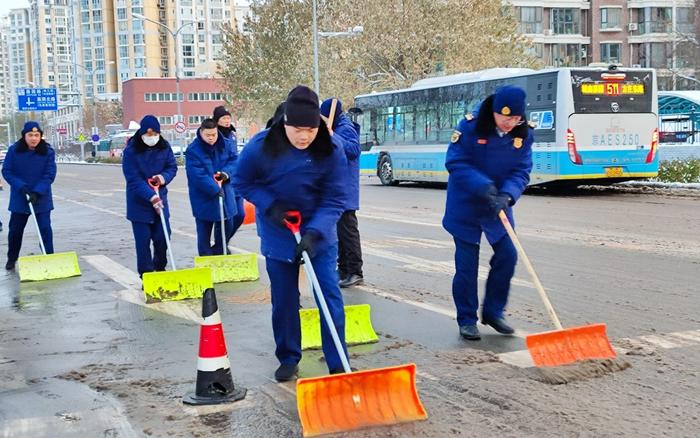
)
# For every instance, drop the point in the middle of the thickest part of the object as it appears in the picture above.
(613, 172)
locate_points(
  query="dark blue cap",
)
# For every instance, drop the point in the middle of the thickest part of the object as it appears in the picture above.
(31, 126)
(149, 122)
(510, 101)
(326, 108)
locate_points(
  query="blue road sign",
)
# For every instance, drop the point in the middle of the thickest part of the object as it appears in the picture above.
(95, 137)
(37, 99)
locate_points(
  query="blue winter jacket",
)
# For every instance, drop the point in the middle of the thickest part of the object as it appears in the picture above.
(202, 161)
(474, 161)
(300, 181)
(139, 163)
(35, 170)
(350, 139)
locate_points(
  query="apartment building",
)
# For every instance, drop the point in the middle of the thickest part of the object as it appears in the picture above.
(5, 85)
(646, 33)
(51, 38)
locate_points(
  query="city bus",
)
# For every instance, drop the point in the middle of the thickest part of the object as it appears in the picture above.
(591, 125)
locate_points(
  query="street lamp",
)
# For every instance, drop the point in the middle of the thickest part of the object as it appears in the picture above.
(91, 72)
(177, 53)
(314, 29)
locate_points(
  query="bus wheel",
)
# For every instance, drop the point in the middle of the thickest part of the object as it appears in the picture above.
(386, 171)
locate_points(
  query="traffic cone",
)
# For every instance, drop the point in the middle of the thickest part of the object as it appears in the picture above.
(214, 381)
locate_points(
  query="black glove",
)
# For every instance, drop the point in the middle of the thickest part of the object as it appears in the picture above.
(221, 176)
(488, 191)
(498, 202)
(309, 243)
(277, 212)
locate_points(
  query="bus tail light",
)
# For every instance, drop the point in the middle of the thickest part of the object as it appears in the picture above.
(654, 145)
(571, 146)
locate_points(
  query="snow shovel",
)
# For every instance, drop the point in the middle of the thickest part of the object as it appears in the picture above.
(47, 266)
(176, 284)
(353, 400)
(228, 267)
(358, 327)
(561, 346)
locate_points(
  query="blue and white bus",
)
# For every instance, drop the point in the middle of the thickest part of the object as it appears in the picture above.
(592, 125)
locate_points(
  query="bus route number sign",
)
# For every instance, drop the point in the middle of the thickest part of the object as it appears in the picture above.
(611, 89)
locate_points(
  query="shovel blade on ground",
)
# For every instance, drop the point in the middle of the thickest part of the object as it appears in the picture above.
(358, 326)
(48, 266)
(344, 402)
(230, 268)
(562, 347)
(182, 284)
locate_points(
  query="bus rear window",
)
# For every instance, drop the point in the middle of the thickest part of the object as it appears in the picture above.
(614, 91)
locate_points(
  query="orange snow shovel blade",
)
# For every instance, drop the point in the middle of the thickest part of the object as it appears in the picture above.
(562, 347)
(357, 400)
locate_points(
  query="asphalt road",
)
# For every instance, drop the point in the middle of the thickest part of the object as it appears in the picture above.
(84, 356)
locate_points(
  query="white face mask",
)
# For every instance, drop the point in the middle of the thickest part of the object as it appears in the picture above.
(150, 140)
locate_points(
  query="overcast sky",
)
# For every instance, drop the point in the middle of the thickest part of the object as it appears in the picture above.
(5, 6)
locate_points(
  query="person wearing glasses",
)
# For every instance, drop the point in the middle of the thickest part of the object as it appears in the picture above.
(489, 160)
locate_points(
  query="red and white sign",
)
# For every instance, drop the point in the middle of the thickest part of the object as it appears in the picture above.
(180, 127)
(62, 131)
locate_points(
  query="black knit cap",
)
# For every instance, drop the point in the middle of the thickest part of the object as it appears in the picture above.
(219, 112)
(302, 108)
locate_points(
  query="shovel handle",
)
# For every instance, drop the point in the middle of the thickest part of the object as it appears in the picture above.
(331, 115)
(293, 222)
(36, 224)
(535, 279)
(154, 186)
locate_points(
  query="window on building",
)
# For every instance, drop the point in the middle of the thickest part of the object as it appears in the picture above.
(611, 53)
(121, 13)
(610, 18)
(685, 20)
(530, 19)
(97, 15)
(565, 21)
(655, 20)
(566, 55)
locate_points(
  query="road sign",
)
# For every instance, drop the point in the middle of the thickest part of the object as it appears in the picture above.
(37, 99)
(62, 131)
(95, 137)
(180, 127)
(81, 137)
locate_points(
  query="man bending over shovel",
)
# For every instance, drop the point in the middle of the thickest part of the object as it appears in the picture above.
(294, 165)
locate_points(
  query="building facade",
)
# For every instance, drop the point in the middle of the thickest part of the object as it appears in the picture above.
(5, 72)
(157, 96)
(661, 34)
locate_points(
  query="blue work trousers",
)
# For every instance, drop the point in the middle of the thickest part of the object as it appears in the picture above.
(205, 228)
(286, 326)
(16, 231)
(144, 235)
(465, 285)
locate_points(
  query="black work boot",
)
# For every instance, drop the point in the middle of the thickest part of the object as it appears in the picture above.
(470, 332)
(498, 324)
(10, 265)
(286, 372)
(351, 280)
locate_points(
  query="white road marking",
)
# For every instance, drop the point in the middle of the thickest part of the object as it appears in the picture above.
(450, 313)
(133, 294)
(520, 358)
(660, 341)
(101, 194)
(401, 221)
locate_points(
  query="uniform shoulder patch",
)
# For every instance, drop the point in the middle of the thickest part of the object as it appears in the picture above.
(517, 142)
(469, 117)
(455, 136)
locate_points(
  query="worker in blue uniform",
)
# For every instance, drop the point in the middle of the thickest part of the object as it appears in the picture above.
(295, 165)
(148, 157)
(224, 122)
(30, 169)
(210, 156)
(349, 248)
(489, 161)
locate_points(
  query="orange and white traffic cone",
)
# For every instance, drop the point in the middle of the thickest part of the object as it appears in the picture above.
(214, 381)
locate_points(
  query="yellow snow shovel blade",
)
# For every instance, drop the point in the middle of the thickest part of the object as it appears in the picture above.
(358, 327)
(228, 268)
(181, 284)
(48, 266)
(344, 402)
